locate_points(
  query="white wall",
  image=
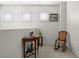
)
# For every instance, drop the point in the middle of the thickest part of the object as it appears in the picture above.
(50, 29)
(73, 25)
(63, 20)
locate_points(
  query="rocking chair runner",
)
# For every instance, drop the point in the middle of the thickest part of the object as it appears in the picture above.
(61, 41)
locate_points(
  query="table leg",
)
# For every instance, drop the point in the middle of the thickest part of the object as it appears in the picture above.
(35, 48)
(41, 41)
(23, 48)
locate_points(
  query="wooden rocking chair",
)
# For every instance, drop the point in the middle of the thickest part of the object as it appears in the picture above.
(61, 41)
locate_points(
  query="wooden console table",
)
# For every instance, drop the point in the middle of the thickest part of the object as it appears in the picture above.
(33, 39)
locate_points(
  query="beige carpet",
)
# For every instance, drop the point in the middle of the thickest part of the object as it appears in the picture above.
(47, 51)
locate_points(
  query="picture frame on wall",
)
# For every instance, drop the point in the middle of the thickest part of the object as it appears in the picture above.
(53, 17)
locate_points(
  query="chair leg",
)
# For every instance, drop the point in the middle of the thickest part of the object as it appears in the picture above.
(64, 48)
(56, 45)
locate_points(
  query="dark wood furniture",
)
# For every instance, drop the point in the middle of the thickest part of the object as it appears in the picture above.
(36, 44)
(40, 40)
(61, 41)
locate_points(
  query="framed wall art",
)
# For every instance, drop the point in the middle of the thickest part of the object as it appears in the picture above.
(53, 17)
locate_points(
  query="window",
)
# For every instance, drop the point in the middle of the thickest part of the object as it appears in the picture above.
(44, 16)
(26, 17)
(7, 17)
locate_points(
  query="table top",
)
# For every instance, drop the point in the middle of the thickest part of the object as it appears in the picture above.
(30, 38)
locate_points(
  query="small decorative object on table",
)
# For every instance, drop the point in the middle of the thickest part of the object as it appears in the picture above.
(31, 34)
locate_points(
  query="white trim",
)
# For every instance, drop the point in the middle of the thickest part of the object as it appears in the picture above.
(30, 2)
